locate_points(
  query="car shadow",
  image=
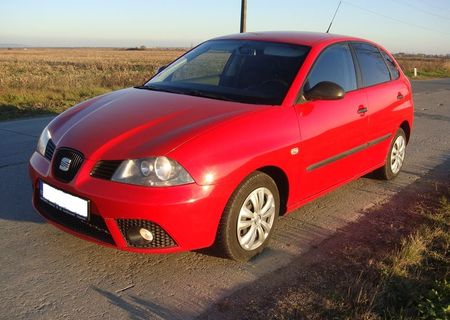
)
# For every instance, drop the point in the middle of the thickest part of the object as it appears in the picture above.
(137, 308)
(15, 192)
(17, 143)
(318, 272)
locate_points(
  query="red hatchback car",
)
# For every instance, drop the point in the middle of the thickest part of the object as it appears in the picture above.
(218, 144)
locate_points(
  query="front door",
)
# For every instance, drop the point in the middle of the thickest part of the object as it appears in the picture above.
(333, 132)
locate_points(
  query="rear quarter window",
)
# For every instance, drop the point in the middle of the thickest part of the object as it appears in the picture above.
(391, 65)
(372, 65)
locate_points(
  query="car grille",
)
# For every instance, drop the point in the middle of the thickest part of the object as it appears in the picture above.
(50, 149)
(105, 169)
(161, 238)
(95, 227)
(63, 155)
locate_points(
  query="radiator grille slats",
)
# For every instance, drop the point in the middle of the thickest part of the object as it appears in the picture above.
(74, 159)
(105, 169)
(50, 150)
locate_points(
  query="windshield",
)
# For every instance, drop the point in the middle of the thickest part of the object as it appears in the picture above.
(243, 71)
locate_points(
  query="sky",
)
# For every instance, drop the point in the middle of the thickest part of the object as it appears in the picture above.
(412, 26)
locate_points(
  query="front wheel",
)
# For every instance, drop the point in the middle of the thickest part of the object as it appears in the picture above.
(395, 157)
(249, 218)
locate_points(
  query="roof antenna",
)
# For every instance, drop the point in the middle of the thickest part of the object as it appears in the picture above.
(331, 23)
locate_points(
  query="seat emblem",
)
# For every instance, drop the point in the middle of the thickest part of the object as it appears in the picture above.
(65, 164)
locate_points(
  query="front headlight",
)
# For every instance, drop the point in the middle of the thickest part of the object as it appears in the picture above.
(43, 140)
(155, 171)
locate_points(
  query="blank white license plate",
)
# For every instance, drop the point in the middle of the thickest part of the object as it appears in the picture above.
(64, 201)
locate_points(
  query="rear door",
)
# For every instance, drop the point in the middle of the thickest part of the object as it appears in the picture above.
(386, 93)
(332, 132)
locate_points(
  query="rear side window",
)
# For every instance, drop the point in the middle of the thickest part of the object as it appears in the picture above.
(335, 64)
(391, 65)
(372, 65)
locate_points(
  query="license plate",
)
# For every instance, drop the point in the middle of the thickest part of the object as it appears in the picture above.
(63, 201)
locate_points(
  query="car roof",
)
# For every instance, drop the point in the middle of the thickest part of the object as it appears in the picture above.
(294, 37)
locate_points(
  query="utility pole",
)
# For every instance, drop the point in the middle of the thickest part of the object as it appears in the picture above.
(243, 15)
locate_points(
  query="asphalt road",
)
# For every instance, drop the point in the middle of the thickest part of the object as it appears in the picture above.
(48, 274)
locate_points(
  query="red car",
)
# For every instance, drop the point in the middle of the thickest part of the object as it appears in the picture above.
(222, 141)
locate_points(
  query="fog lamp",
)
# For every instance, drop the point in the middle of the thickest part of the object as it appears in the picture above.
(146, 234)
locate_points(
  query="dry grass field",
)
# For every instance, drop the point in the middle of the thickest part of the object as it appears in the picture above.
(43, 81)
(426, 67)
(39, 81)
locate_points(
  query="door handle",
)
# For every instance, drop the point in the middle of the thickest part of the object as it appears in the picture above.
(400, 96)
(362, 110)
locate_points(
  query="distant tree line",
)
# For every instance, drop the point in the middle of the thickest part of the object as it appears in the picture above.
(141, 48)
(421, 55)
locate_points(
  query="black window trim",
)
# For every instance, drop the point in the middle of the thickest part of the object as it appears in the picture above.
(359, 80)
(351, 43)
(299, 100)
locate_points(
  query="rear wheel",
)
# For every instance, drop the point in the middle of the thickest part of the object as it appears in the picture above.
(249, 218)
(395, 157)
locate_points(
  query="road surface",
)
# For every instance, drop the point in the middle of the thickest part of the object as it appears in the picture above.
(48, 274)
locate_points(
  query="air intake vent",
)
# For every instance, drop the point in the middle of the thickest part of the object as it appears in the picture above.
(160, 238)
(50, 149)
(105, 169)
(66, 164)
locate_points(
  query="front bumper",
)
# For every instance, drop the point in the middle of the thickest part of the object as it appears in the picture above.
(182, 217)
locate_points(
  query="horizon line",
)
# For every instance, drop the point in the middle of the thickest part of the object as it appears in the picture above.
(138, 48)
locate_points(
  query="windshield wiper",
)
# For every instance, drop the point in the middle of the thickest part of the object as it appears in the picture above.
(198, 93)
(157, 89)
(189, 92)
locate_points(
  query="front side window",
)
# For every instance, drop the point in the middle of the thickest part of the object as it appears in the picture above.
(256, 72)
(335, 64)
(372, 65)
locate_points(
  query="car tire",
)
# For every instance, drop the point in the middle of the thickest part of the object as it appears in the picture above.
(249, 218)
(395, 157)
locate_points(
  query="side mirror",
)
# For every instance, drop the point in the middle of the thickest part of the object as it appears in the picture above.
(325, 90)
(161, 69)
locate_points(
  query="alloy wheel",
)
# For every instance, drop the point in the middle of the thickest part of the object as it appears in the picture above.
(255, 218)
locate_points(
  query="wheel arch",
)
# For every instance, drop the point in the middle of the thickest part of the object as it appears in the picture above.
(407, 129)
(282, 182)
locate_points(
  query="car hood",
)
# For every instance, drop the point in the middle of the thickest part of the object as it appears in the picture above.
(134, 123)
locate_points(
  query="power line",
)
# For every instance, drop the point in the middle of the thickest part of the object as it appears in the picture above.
(395, 19)
(424, 11)
(432, 5)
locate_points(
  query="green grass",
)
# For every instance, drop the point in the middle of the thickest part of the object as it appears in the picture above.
(415, 279)
(25, 103)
